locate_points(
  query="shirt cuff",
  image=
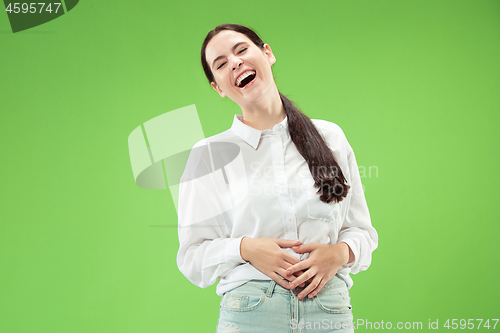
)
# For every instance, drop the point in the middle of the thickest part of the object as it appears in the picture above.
(354, 250)
(233, 254)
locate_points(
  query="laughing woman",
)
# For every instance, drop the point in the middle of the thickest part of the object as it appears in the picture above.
(272, 207)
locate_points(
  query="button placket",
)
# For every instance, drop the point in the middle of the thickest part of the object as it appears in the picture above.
(282, 182)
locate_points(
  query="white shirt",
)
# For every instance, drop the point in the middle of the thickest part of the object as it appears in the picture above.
(247, 182)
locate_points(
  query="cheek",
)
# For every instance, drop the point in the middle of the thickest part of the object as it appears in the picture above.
(221, 78)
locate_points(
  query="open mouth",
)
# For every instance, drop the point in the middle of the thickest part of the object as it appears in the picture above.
(244, 79)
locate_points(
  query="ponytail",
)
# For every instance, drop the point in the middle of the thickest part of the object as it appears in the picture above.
(328, 176)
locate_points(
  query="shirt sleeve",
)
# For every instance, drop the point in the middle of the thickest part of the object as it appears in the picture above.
(206, 250)
(357, 230)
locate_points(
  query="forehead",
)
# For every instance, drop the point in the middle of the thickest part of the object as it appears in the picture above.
(222, 43)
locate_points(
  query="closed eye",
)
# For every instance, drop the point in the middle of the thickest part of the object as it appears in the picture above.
(239, 52)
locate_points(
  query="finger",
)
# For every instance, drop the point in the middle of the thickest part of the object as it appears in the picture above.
(297, 274)
(290, 258)
(313, 285)
(303, 278)
(305, 247)
(286, 242)
(279, 280)
(318, 288)
(301, 266)
(309, 281)
(289, 278)
(287, 261)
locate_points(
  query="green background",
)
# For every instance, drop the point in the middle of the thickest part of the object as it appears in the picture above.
(413, 84)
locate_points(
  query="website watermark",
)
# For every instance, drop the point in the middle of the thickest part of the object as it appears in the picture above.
(359, 324)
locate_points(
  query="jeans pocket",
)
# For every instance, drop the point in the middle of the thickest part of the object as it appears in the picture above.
(335, 299)
(242, 299)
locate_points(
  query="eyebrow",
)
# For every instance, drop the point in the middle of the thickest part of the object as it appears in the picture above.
(235, 46)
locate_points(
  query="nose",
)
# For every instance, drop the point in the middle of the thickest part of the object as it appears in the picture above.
(236, 63)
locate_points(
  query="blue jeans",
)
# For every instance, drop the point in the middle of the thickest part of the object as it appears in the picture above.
(265, 306)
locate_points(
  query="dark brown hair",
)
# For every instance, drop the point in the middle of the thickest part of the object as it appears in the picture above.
(310, 144)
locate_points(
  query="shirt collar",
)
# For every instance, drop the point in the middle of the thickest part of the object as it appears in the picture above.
(251, 135)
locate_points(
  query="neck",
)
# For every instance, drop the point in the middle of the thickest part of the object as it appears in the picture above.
(265, 113)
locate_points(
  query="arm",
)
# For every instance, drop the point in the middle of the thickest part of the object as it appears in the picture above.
(203, 260)
(206, 249)
(357, 230)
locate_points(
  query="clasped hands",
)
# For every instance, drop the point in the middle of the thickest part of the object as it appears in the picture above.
(268, 256)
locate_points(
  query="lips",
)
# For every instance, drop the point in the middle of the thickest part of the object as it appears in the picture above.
(244, 78)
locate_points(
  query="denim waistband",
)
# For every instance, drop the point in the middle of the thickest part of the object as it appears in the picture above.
(271, 287)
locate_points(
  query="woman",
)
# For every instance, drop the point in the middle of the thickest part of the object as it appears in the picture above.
(281, 246)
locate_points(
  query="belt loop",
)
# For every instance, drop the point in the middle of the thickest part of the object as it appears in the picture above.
(270, 289)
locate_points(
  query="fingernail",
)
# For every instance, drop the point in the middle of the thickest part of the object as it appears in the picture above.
(292, 286)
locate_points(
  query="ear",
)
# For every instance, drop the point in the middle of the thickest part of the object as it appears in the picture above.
(269, 53)
(218, 89)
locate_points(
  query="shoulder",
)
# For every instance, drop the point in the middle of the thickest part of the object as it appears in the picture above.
(332, 133)
(210, 152)
(327, 126)
(226, 136)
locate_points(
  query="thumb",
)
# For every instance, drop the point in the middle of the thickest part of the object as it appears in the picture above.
(287, 242)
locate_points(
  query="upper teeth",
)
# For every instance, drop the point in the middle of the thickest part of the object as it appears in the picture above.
(244, 76)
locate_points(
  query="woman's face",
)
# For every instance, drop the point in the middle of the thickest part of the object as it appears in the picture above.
(241, 69)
